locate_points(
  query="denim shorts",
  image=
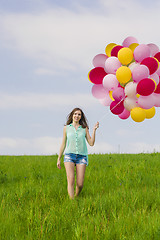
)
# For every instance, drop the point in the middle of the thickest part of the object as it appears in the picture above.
(76, 158)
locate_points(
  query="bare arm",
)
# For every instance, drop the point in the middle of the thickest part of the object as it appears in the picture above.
(62, 148)
(91, 140)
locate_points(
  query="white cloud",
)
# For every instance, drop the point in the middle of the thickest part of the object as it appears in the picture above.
(47, 72)
(36, 146)
(63, 39)
(44, 101)
(142, 147)
(128, 132)
(102, 147)
(50, 145)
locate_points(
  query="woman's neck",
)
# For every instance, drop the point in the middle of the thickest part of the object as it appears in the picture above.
(75, 124)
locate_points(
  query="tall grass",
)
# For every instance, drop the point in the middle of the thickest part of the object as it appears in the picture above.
(120, 199)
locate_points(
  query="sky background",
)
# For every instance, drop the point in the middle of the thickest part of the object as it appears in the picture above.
(46, 52)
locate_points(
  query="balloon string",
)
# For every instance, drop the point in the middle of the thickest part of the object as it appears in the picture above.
(111, 109)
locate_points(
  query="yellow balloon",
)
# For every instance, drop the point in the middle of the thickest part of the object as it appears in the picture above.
(138, 114)
(150, 112)
(125, 55)
(88, 75)
(133, 46)
(157, 61)
(123, 74)
(154, 83)
(110, 94)
(109, 48)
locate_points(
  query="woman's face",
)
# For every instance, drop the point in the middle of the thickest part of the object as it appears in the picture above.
(77, 116)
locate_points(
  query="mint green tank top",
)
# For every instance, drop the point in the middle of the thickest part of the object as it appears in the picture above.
(76, 140)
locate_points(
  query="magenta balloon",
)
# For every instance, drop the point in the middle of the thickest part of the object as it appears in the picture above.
(153, 49)
(112, 64)
(124, 115)
(118, 94)
(96, 75)
(106, 101)
(99, 60)
(98, 91)
(151, 63)
(128, 41)
(141, 52)
(115, 50)
(145, 87)
(157, 89)
(146, 102)
(117, 107)
(140, 72)
(110, 82)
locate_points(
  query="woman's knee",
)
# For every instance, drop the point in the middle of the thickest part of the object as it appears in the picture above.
(80, 185)
(71, 181)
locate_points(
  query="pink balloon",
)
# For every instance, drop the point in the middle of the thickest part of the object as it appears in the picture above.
(124, 115)
(117, 107)
(128, 41)
(158, 71)
(110, 82)
(98, 91)
(146, 102)
(133, 65)
(118, 94)
(112, 64)
(99, 60)
(140, 72)
(153, 49)
(155, 77)
(157, 99)
(106, 101)
(141, 52)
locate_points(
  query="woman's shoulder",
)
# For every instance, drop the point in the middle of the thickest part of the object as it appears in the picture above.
(66, 127)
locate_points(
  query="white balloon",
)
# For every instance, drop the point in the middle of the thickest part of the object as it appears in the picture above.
(130, 103)
(130, 89)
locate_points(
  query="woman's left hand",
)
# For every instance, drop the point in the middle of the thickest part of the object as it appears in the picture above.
(96, 126)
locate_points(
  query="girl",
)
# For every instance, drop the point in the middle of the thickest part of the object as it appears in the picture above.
(75, 134)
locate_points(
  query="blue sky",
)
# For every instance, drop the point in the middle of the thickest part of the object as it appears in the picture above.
(46, 50)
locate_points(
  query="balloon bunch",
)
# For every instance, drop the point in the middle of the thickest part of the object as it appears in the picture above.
(127, 78)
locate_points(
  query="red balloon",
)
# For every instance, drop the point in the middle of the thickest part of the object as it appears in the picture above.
(157, 56)
(151, 63)
(158, 88)
(115, 50)
(117, 107)
(96, 75)
(146, 87)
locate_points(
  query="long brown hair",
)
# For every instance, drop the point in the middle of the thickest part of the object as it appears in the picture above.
(83, 121)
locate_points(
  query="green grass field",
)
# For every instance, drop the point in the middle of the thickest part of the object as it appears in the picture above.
(120, 199)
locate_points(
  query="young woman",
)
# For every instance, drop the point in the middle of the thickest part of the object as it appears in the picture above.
(75, 134)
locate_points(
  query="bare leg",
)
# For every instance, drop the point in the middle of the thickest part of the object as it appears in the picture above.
(70, 178)
(80, 169)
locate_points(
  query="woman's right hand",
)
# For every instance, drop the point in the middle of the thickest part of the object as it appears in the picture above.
(59, 164)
